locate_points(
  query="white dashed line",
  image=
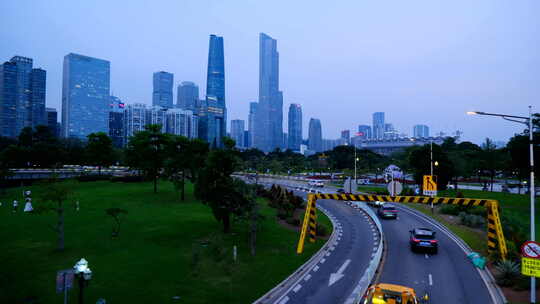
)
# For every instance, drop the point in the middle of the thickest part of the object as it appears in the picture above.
(297, 288)
(328, 254)
(430, 280)
(307, 277)
(322, 261)
(315, 268)
(332, 248)
(284, 300)
(427, 256)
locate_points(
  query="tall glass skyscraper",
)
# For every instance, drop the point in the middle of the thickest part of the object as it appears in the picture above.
(295, 127)
(237, 132)
(315, 135)
(162, 94)
(85, 96)
(378, 125)
(188, 96)
(213, 113)
(252, 120)
(269, 127)
(22, 96)
(420, 131)
(364, 132)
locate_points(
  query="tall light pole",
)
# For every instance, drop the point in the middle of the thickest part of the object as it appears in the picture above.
(355, 163)
(528, 121)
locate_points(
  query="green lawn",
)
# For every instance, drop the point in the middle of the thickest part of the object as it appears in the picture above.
(166, 248)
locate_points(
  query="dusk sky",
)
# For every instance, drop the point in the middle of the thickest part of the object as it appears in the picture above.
(419, 61)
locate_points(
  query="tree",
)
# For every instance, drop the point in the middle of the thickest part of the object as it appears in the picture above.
(116, 213)
(146, 151)
(216, 188)
(419, 161)
(57, 193)
(99, 150)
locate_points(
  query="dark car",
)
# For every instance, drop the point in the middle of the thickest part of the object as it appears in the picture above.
(423, 239)
(340, 191)
(387, 211)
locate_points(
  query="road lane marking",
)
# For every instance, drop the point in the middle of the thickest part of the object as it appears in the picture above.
(427, 256)
(284, 300)
(334, 277)
(430, 280)
(322, 261)
(315, 268)
(328, 253)
(297, 288)
(307, 277)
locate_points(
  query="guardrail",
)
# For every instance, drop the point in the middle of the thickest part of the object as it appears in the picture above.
(367, 277)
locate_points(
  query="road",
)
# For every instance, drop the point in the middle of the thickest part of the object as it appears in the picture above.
(449, 277)
(357, 239)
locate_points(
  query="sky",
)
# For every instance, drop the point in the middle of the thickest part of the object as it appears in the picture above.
(421, 62)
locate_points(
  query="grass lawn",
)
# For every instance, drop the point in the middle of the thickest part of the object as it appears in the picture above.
(166, 248)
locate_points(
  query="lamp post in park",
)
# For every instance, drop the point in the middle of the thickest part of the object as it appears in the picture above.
(528, 121)
(84, 275)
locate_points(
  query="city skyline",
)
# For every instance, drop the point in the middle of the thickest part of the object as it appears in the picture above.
(451, 72)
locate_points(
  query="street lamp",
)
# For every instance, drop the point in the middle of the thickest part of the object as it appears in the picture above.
(528, 121)
(84, 274)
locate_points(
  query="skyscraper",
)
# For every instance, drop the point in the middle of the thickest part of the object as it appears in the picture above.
(237, 132)
(162, 94)
(116, 121)
(269, 127)
(378, 125)
(181, 122)
(420, 131)
(134, 119)
(252, 119)
(213, 112)
(52, 121)
(295, 127)
(315, 135)
(22, 96)
(346, 135)
(364, 132)
(188, 96)
(85, 96)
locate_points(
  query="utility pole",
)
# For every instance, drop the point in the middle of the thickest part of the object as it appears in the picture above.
(532, 193)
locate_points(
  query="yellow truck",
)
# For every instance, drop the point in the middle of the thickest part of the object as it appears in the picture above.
(392, 294)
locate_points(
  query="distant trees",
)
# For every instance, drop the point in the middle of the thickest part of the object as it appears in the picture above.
(99, 150)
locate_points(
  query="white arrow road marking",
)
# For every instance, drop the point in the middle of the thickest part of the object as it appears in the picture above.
(430, 280)
(334, 277)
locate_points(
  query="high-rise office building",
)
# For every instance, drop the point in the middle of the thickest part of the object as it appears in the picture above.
(315, 135)
(237, 132)
(378, 125)
(246, 139)
(155, 115)
(269, 126)
(116, 121)
(295, 127)
(420, 131)
(346, 135)
(364, 132)
(181, 122)
(52, 121)
(85, 96)
(389, 131)
(213, 112)
(162, 94)
(252, 120)
(188, 96)
(134, 119)
(22, 96)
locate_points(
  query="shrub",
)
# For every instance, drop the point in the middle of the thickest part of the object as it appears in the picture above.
(128, 179)
(293, 221)
(507, 272)
(321, 229)
(451, 209)
(471, 220)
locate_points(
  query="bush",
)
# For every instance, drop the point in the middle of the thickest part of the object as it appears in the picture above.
(282, 214)
(471, 220)
(321, 229)
(128, 179)
(293, 221)
(451, 209)
(507, 272)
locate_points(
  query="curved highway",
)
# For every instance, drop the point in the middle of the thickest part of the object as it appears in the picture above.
(448, 276)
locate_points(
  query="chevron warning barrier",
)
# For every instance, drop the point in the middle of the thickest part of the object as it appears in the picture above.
(495, 236)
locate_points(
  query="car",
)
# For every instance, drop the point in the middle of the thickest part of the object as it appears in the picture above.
(340, 191)
(384, 293)
(387, 211)
(376, 203)
(423, 239)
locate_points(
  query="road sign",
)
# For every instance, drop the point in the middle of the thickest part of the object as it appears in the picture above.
(394, 188)
(430, 185)
(531, 250)
(530, 267)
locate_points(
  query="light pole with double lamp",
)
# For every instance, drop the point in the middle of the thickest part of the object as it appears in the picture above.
(528, 121)
(84, 275)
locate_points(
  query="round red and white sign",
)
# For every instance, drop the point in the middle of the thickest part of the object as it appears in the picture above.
(531, 249)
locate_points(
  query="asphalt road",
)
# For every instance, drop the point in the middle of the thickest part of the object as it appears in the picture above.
(353, 250)
(448, 276)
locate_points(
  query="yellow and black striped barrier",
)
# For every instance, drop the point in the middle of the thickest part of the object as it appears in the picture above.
(495, 236)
